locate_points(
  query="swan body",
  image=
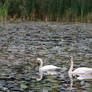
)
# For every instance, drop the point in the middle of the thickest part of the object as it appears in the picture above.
(47, 68)
(82, 72)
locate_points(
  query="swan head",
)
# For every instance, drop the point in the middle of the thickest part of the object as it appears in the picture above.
(71, 58)
(39, 61)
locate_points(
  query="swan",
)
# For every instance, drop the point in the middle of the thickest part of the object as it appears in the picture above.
(49, 69)
(82, 72)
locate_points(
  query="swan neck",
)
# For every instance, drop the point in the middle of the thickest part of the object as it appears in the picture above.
(41, 63)
(71, 66)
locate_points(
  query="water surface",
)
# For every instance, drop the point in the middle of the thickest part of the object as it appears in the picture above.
(22, 43)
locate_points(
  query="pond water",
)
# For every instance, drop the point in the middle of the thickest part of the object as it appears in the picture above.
(22, 43)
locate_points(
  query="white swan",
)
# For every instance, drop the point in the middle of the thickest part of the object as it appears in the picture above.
(82, 72)
(49, 69)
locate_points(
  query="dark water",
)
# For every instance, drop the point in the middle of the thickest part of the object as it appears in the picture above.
(22, 43)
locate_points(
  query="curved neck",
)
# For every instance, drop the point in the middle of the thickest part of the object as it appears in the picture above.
(41, 63)
(71, 67)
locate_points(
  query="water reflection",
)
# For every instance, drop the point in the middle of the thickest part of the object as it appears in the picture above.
(47, 73)
(40, 76)
(71, 80)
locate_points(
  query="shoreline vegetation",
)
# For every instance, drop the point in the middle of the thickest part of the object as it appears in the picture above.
(46, 10)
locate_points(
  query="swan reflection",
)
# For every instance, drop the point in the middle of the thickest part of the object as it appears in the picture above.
(71, 80)
(40, 76)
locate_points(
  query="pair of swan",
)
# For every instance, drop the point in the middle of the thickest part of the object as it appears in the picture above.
(82, 72)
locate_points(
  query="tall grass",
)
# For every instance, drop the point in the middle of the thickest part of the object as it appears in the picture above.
(50, 10)
(4, 11)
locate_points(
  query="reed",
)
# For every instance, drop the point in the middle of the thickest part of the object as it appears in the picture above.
(49, 10)
(4, 11)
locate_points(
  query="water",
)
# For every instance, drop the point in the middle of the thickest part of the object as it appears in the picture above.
(22, 43)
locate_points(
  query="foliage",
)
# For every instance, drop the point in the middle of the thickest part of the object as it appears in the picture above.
(41, 9)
